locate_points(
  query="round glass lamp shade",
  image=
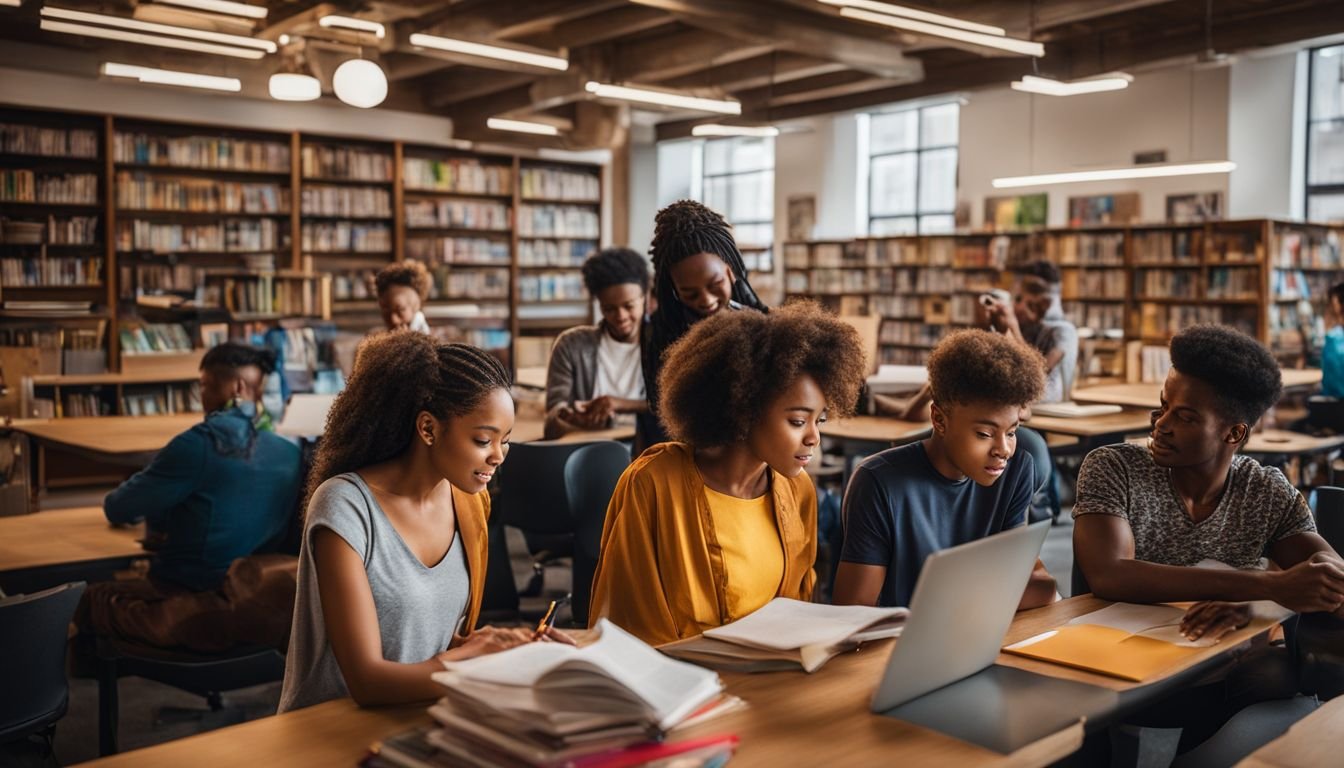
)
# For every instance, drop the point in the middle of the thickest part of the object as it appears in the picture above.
(360, 83)
(290, 86)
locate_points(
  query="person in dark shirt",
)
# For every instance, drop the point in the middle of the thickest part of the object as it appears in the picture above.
(224, 489)
(966, 481)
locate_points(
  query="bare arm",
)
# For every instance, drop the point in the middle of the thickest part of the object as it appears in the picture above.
(858, 584)
(1041, 589)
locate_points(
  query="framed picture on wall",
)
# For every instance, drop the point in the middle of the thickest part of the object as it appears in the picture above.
(802, 216)
(1194, 207)
(1016, 212)
(1104, 209)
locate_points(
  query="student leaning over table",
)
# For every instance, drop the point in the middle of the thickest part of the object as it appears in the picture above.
(394, 549)
(1146, 516)
(706, 530)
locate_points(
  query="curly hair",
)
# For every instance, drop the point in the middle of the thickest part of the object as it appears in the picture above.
(614, 266)
(1045, 270)
(975, 366)
(1243, 374)
(722, 375)
(230, 356)
(410, 273)
(397, 375)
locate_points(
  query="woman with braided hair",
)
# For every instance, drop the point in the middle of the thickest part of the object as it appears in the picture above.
(697, 271)
(392, 566)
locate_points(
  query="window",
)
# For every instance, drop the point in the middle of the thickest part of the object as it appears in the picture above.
(1325, 135)
(739, 182)
(912, 170)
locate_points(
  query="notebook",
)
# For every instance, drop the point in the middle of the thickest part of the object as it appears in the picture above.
(789, 634)
(1073, 410)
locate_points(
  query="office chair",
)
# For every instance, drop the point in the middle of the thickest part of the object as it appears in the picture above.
(33, 634)
(591, 474)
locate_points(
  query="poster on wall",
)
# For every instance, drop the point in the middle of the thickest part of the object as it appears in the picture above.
(1104, 209)
(1194, 207)
(802, 216)
(1016, 212)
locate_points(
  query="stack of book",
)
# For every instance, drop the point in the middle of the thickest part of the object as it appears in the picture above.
(612, 703)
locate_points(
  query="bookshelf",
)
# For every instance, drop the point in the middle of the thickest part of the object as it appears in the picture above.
(559, 225)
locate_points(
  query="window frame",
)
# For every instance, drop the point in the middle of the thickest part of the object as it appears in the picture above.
(918, 152)
(1309, 189)
(706, 177)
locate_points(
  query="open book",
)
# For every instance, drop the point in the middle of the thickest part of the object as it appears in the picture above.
(1069, 410)
(788, 634)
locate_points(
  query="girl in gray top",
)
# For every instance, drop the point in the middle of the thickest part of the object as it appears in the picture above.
(393, 560)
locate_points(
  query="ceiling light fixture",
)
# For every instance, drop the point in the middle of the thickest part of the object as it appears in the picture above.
(453, 45)
(349, 22)
(172, 77)
(716, 129)
(142, 39)
(294, 86)
(1111, 174)
(1033, 84)
(1010, 44)
(360, 83)
(240, 41)
(911, 13)
(15, 3)
(663, 98)
(221, 6)
(522, 126)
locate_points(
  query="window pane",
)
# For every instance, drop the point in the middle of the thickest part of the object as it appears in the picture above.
(893, 185)
(752, 154)
(1327, 153)
(1325, 208)
(938, 126)
(904, 225)
(1327, 93)
(937, 224)
(717, 156)
(753, 196)
(893, 132)
(716, 195)
(754, 234)
(938, 180)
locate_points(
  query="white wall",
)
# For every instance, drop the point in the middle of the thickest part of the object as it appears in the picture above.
(819, 157)
(1009, 133)
(643, 194)
(1264, 136)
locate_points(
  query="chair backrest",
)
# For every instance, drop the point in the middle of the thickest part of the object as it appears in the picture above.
(33, 635)
(591, 474)
(532, 487)
(1330, 515)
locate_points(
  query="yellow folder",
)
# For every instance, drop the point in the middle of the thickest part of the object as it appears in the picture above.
(1105, 650)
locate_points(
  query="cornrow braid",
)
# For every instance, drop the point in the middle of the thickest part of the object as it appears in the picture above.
(397, 375)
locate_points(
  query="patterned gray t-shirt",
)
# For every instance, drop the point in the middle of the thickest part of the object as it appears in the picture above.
(1258, 508)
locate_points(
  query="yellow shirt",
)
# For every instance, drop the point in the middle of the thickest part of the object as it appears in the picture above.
(663, 572)
(752, 558)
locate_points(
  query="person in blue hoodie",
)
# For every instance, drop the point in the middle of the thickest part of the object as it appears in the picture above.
(224, 489)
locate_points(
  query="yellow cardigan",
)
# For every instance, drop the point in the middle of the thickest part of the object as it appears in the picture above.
(661, 575)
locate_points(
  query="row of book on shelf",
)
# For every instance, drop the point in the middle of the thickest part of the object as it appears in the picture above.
(552, 286)
(560, 184)
(342, 236)
(357, 202)
(46, 271)
(149, 338)
(554, 253)
(230, 236)
(21, 185)
(264, 294)
(466, 214)
(200, 152)
(328, 162)
(459, 250)
(53, 230)
(20, 139)
(558, 221)
(460, 174)
(140, 191)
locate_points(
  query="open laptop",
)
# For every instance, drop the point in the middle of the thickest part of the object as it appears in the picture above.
(941, 673)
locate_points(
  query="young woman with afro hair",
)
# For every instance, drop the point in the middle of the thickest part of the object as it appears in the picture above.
(707, 529)
(392, 566)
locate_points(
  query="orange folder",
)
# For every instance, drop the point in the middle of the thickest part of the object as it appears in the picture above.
(1105, 650)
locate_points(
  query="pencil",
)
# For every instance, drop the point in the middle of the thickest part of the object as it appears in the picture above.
(545, 622)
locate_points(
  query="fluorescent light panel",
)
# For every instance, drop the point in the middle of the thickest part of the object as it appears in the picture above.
(1032, 84)
(222, 7)
(454, 45)
(14, 3)
(349, 22)
(663, 98)
(1010, 44)
(522, 126)
(172, 77)
(163, 42)
(159, 29)
(715, 129)
(1111, 174)
(911, 13)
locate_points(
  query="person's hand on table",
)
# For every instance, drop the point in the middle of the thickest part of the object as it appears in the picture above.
(1213, 618)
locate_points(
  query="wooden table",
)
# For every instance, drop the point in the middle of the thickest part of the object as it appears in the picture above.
(1269, 443)
(874, 429)
(1093, 430)
(1311, 742)
(52, 547)
(1150, 395)
(791, 719)
(531, 429)
(130, 440)
(532, 378)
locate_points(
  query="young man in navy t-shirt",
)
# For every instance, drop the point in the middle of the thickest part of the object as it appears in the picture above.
(962, 483)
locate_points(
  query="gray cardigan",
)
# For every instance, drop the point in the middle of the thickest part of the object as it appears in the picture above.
(571, 376)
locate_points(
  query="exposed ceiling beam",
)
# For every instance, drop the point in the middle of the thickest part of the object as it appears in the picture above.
(463, 83)
(600, 27)
(811, 89)
(658, 58)
(493, 19)
(859, 46)
(757, 72)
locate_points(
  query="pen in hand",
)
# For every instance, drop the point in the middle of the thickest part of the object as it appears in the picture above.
(546, 622)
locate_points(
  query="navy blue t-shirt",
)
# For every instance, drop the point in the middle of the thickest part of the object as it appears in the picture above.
(899, 509)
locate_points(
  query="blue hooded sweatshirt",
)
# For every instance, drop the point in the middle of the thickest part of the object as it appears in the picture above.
(219, 491)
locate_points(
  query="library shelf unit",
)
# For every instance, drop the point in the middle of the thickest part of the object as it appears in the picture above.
(1120, 284)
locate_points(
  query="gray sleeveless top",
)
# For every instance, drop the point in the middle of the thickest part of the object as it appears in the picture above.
(419, 607)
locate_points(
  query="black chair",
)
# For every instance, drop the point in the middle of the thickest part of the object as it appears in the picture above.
(532, 499)
(591, 474)
(206, 675)
(33, 639)
(1325, 414)
(1330, 515)
(1319, 638)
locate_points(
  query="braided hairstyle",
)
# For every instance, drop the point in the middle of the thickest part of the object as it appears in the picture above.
(397, 375)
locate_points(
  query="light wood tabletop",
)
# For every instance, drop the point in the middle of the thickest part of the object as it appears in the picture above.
(1311, 742)
(533, 377)
(531, 429)
(111, 436)
(1280, 441)
(62, 536)
(1150, 395)
(1092, 426)
(876, 429)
